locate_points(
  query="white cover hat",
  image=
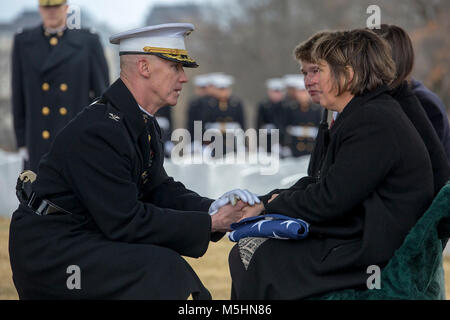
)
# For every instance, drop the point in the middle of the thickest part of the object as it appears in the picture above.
(275, 84)
(164, 40)
(202, 80)
(221, 80)
(296, 81)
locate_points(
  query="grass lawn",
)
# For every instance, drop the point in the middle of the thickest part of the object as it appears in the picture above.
(212, 268)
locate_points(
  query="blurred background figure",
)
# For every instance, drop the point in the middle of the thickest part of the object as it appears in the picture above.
(303, 117)
(223, 111)
(55, 72)
(271, 114)
(164, 119)
(196, 106)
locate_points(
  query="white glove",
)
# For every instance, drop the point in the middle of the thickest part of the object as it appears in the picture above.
(232, 197)
(23, 152)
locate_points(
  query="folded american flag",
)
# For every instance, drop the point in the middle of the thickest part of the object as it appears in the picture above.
(275, 226)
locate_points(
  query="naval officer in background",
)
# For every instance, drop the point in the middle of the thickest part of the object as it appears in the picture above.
(56, 71)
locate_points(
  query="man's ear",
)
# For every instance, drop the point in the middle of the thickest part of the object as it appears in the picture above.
(143, 67)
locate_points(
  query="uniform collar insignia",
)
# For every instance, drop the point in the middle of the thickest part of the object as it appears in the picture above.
(114, 117)
(146, 117)
(121, 98)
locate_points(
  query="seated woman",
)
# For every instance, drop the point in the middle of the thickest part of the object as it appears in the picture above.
(403, 56)
(375, 183)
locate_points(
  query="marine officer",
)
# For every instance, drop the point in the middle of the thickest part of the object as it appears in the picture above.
(103, 202)
(304, 118)
(271, 114)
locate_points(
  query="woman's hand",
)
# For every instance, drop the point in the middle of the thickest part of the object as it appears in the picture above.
(273, 197)
(252, 211)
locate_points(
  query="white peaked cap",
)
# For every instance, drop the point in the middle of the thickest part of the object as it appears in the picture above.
(275, 84)
(202, 80)
(164, 40)
(221, 80)
(296, 81)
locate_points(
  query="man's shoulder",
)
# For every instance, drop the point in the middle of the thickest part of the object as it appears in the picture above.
(102, 113)
(98, 119)
(87, 37)
(27, 33)
(84, 32)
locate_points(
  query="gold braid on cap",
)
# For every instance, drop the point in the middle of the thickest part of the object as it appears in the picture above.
(46, 3)
(165, 50)
(177, 54)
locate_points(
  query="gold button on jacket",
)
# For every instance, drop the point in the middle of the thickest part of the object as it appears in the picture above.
(63, 87)
(45, 86)
(45, 134)
(53, 41)
(63, 111)
(45, 111)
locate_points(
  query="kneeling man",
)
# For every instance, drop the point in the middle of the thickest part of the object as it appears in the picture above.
(103, 205)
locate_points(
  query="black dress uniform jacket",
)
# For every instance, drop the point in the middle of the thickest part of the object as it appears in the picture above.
(196, 112)
(307, 118)
(224, 112)
(52, 79)
(375, 183)
(272, 113)
(130, 222)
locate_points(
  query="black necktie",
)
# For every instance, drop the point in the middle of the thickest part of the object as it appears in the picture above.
(150, 133)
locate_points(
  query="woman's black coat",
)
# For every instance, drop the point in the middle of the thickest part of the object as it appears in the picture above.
(375, 183)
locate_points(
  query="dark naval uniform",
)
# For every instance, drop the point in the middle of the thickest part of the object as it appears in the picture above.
(220, 113)
(272, 115)
(53, 76)
(129, 220)
(223, 115)
(196, 112)
(301, 127)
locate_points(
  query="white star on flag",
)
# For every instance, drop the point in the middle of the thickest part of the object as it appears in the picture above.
(259, 223)
(288, 223)
(278, 237)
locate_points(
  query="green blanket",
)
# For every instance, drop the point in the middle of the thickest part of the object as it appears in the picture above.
(415, 271)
